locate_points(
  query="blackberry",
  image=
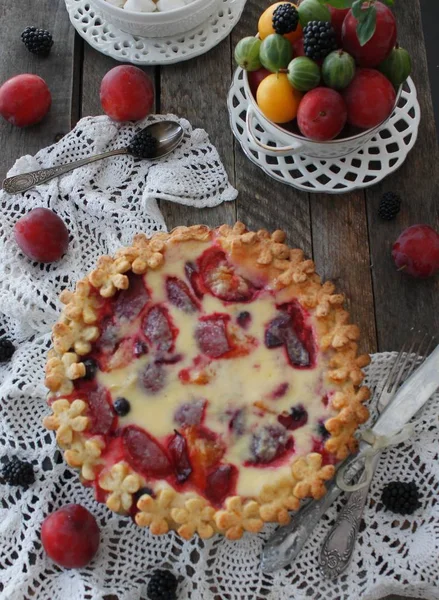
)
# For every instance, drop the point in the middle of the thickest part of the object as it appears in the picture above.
(243, 319)
(162, 586)
(90, 368)
(285, 18)
(390, 205)
(299, 414)
(145, 490)
(143, 145)
(37, 41)
(401, 497)
(121, 406)
(18, 472)
(7, 349)
(323, 432)
(319, 39)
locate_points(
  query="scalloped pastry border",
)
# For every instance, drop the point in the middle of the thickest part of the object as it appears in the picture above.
(77, 329)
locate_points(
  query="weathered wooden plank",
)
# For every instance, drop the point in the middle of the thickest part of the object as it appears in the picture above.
(263, 202)
(401, 301)
(341, 253)
(196, 90)
(56, 70)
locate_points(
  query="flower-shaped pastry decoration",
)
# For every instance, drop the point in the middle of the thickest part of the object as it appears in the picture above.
(60, 370)
(311, 475)
(345, 364)
(154, 511)
(81, 304)
(195, 517)
(276, 500)
(298, 271)
(143, 255)
(69, 334)
(341, 332)
(66, 419)
(322, 299)
(238, 517)
(122, 482)
(342, 427)
(109, 275)
(84, 454)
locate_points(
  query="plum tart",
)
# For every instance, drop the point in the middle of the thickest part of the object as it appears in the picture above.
(205, 380)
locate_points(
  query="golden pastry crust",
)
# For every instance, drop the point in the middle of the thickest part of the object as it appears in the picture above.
(287, 271)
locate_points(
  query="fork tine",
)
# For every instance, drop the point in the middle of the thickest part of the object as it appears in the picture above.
(407, 358)
(395, 365)
(421, 353)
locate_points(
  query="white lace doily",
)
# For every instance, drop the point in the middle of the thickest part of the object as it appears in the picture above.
(103, 204)
(382, 155)
(393, 554)
(112, 41)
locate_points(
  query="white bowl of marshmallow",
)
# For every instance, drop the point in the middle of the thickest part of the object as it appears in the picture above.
(156, 18)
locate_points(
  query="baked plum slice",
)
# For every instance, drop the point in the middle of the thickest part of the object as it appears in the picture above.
(211, 335)
(268, 443)
(290, 330)
(129, 303)
(220, 483)
(153, 377)
(178, 451)
(179, 295)
(101, 410)
(158, 329)
(190, 413)
(145, 454)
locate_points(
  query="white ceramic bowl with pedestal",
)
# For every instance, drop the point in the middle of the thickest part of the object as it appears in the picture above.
(294, 143)
(157, 24)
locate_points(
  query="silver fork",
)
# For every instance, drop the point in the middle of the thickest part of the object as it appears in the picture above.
(339, 544)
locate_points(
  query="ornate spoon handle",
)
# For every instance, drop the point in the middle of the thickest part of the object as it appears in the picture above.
(339, 544)
(26, 181)
(286, 543)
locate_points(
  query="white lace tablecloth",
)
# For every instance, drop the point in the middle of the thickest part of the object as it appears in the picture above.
(103, 206)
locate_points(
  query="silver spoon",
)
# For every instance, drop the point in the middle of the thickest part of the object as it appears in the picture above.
(168, 134)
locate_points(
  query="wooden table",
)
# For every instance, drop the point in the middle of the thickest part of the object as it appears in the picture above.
(348, 242)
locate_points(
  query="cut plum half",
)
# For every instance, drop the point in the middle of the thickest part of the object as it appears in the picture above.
(129, 303)
(158, 329)
(211, 335)
(220, 278)
(179, 295)
(144, 453)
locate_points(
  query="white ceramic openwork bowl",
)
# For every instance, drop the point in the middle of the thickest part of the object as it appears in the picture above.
(294, 143)
(157, 24)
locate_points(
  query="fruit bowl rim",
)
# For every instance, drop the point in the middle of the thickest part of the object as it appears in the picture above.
(146, 16)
